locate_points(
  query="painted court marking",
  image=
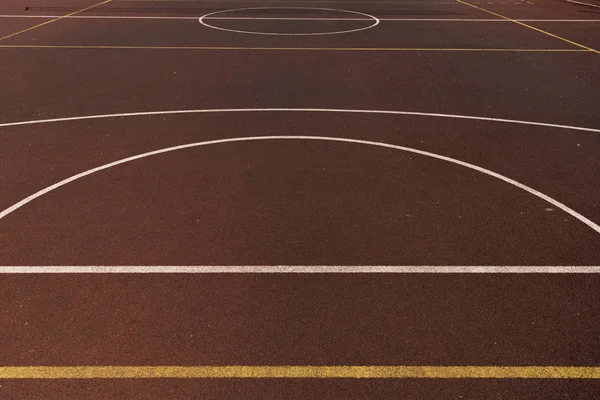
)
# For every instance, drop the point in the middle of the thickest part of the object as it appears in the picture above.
(298, 269)
(301, 371)
(308, 110)
(303, 269)
(485, 171)
(117, 17)
(529, 26)
(54, 20)
(233, 48)
(374, 20)
(584, 4)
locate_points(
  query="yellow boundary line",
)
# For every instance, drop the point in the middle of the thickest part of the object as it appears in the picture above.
(19, 46)
(54, 20)
(530, 27)
(263, 372)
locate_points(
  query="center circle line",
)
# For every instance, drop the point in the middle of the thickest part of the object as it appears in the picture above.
(210, 16)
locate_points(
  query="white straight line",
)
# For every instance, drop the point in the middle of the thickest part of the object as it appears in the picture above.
(403, 19)
(299, 19)
(584, 4)
(283, 1)
(299, 269)
(95, 17)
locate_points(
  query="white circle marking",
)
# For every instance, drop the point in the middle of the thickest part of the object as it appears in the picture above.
(375, 20)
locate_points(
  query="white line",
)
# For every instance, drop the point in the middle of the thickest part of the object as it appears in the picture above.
(291, 1)
(205, 17)
(485, 171)
(299, 269)
(299, 19)
(584, 4)
(325, 110)
(95, 17)
(402, 19)
(286, 19)
(287, 1)
(289, 49)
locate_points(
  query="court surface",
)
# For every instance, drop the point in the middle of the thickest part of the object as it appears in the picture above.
(300, 199)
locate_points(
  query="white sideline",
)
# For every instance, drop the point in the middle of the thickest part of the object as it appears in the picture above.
(300, 269)
(295, 19)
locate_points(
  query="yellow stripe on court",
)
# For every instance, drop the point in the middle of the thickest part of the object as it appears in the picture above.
(303, 372)
(225, 48)
(530, 27)
(54, 20)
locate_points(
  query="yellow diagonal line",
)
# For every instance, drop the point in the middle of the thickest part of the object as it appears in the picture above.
(530, 27)
(54, 20)
(291, 371)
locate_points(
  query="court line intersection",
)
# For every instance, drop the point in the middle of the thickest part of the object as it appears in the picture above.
(306, 371)
(54, 20)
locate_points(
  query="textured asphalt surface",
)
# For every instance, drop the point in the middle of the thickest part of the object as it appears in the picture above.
(299, 202)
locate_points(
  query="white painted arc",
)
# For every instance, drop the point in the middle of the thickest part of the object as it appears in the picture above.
(510, 181)
(205, 17)
(308, 110)
(300, 269)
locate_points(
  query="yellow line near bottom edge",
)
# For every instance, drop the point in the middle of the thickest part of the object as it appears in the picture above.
(262, 372)
(19, 46)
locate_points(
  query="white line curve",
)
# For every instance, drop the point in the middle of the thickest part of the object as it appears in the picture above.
(209, 16)
(289, 109)
(485, 171)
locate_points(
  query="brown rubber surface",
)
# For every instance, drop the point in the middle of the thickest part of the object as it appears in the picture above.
(293, 202)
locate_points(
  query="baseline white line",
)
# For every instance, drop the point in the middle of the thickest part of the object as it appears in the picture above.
(485, 171)
(403, 19)
(95, 17)
(308, 110)
(299, 269)
(293, 19)
(299, 19)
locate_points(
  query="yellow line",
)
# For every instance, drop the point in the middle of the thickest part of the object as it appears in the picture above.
(53, 20)
(381, 372)
(19, 46)
(530, 27)
(296, 1)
